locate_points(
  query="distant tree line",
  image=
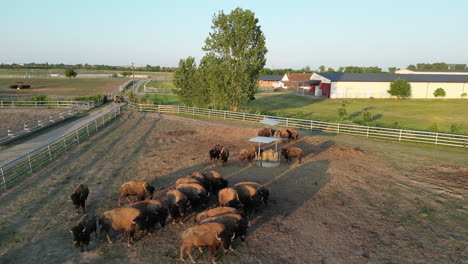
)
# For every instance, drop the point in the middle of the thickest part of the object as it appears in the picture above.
(437, 66)
(45, 66)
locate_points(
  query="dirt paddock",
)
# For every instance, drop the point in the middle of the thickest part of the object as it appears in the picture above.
(14, 116)
(344, 204)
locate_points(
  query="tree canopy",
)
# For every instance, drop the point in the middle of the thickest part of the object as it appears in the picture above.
(227, 75)
(70, 73)
(400, 88)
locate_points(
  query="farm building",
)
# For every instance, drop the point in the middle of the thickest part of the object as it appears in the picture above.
(267, 81)
(358, 85)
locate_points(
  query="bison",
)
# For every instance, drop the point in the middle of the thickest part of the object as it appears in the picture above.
(229, 197)
(248, 154)
(215, 152)
(212, 212)
(196, 194)
(140, 189)
(211, 235)
(177, 203)
(202, 180)
(293, 134)
(216, 180)
(224, 155)
(127, 219)
(233, 222)
(283, 133)
(79, 196)
(249, 197)
(82, 231)
(266, 132)
(187, 180)
(262, 190)
(152, 211)
(292, 152)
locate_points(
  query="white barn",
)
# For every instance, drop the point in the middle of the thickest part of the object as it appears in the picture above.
(358, 85)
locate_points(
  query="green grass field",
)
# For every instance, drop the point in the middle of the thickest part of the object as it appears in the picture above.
(163, 99)
(408, 114)
(61, 87)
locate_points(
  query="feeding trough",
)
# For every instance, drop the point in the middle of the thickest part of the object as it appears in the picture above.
(269, 158)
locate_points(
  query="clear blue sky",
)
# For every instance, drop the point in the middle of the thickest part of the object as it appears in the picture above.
(298, 33)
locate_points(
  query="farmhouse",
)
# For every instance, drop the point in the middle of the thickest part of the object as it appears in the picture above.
(358, 85)
(267, 81)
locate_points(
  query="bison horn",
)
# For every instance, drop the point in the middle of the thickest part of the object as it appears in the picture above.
(233, 236)
(146, 219)
(71, 232)
(251, 198)
(84, 229)
(208, 195)
(217, 237)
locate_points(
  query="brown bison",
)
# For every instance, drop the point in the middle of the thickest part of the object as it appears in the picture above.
(215, 152)
(293, 134)
(266, 132)
(229, 197)
(79, 196)
(224, 155)
(262, 190)
(196, 194)
(211, 235)
(284, 134)
(202, 180)
(233, 222)
(82, 231)
(140, 189)
(249, 197)
(127, 219)
(217, 182)
(177, 204)
(152, 211)
(292, 152)
(187, 180)
(248, 154)
(212, 212)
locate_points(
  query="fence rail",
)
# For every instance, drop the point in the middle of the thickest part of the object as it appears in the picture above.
(47, 104)
(401, 135)
(27, 164)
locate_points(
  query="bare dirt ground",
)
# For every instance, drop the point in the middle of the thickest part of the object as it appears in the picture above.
(344, 204)
(10, 117)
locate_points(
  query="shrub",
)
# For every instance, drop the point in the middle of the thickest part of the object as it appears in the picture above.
(463, 95)
(366, 117)
(38, 98)
(342, 113)
(400, 88)
(455, 128)
(433, 128)
(439, 92)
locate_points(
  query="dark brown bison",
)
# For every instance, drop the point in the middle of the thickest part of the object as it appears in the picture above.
(293, 134)
(212, 212)
(292, 152)
(187, 180)
(127, 219)
(177, 204)
(79, 196)
(224, 155)
(202, 180)
(140, 189)
(249, 197)
(262, 190)
(82, 231)
(229, 197)
(284, 134)
(233, 222)
(195, 193)
(153, 212)
(215, 152)
(266, 132)
(211, 235)
(217, 182)
(248, 154)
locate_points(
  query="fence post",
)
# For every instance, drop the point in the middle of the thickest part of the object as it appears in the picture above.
(243, 117)
(39, 123)
(311, 125)
(77, 135)
(3, 176)
(193, 110)
(338, 128)
(224, 115)
(29, 159)
(287, 122)
(35, 104)
(209, 113)
(50, 153)
(87, 129)
(437, 136)
(367, 131)
(1, 104)
(9, 132)
(399, 138)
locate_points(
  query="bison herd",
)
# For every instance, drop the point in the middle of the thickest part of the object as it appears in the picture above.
(191, 196)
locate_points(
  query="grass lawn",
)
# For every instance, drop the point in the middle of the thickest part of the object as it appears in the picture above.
(160, 84)
(163, 99)
(408, 114)
(61, 87)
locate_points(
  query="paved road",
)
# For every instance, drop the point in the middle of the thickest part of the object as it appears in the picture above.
(19, 150)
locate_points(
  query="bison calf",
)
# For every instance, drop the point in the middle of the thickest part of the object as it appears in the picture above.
(292, 152)
(79, 196)
(140, 189)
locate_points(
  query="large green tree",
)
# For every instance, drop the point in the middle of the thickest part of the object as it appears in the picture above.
(70, 73)
(400, 88)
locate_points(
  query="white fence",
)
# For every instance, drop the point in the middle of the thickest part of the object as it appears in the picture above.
(402, 135)
(47, 104)
(16, 131)
(27, 164)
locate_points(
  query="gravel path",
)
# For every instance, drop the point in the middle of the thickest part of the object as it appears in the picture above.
(17, 151)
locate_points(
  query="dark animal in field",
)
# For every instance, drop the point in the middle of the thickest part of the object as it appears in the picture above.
(284, 134)
(25, 86)
(79, 196)
(187, 180)
(215, 152)
(177, 204)
(292, 152)
(217, 182)
(82, 231)
(248, 154)
(262, 190)
(153, 212)
(266, 132)
(211, 235)
(140, 189)
(195, 193)
(213, 212)
(14, 86)
(127, 219)
(293, 134)
(203, 181)
(233, 222)
(249, 197)
(229, 197)
(224, 155)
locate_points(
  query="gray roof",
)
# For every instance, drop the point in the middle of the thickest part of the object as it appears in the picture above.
(385, 77)
(434, 70)
(271, 77)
